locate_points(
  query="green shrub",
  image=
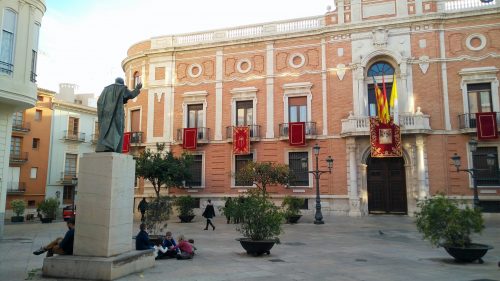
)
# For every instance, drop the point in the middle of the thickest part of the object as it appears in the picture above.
(443, 222)
(18, 206)
(184, 205)
(157, 214)
(49, 207)
(291, 205)
(261, 219)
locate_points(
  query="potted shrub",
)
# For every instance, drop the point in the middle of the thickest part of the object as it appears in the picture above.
(156, 216)
(291, 208)
(18, 206)
(184, 206)
(261, 223)
(444, 223)
(49, 208)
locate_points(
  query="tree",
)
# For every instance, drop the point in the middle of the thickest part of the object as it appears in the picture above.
(263, 174)
(162, 168)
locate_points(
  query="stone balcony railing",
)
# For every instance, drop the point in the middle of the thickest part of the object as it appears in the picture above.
(410, 123)
(451, 6)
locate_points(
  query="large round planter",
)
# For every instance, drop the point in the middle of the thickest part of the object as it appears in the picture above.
(256, 248)
(468, 254)
(186, 218)
(46, 220)
(17, 219)
(293, 219)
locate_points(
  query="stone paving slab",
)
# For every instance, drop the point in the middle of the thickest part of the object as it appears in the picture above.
(344, 249)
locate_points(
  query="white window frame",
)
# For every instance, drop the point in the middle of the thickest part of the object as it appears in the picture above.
(309, 164)
(191, 98)
(36, 37)
(233, 171)
(243, 94)
(203, 161)
(14, 29)
(480, 75)
(301, 89)
(33, 173)
(129, 120)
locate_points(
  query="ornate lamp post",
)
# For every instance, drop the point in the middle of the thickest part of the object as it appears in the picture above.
(318, 217)
(490, 161)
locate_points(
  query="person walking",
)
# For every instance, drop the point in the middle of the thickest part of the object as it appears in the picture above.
(143, 205)
(209, 214)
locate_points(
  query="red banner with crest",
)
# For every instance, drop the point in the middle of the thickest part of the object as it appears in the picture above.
(385, 139)
(189, 138)
(487, 125)
(241, 140)
(297, 133)
(126, 142)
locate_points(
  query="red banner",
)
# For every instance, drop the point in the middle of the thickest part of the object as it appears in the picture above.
(241, 140)
(126, 142)
(189, 138)
(486, 125)
(297, 133)
(385, 139)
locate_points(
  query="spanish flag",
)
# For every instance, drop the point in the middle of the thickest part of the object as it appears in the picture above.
(383, 110)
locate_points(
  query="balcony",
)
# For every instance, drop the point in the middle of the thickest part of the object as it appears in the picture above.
(18, 158)
(467, 122)
(6, 67)
(74, 136)
(21, 127)
(136, 138)
(14, 187)
(310, 130)
(68, 177)
(409, 123)
(203, 135)
(254, 132)
(94, 138)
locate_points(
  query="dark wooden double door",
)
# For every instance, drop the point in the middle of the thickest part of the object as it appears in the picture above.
(386, 186)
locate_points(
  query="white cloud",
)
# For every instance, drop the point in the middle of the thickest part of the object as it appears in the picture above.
(87, 48)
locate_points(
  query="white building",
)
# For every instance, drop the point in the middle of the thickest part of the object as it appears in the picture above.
(20, 23)
(73, 133)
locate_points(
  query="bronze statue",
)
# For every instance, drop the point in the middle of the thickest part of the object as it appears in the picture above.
(111, 115)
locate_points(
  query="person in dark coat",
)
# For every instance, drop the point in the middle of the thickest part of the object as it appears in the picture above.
(60, 246)
(142, 239)
(110, 115)
(143, 205)
(209, 214)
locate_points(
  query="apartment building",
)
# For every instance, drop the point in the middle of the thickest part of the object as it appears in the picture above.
(323, 71)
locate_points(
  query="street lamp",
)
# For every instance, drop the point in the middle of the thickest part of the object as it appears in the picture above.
(74, 182)
(490, 161)
(318, 217)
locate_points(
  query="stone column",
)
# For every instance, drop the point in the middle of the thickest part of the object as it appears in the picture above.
(423, 189)
(354, 210)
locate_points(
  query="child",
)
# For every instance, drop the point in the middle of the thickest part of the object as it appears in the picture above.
(166, 251)
(186, 248)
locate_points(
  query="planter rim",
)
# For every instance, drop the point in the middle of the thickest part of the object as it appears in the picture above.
(249, 239)
(478, 246)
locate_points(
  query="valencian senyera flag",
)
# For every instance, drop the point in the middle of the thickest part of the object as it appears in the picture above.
(189, 138)
(385, 139)
(297, 133)
(241, 140)
(382, 106)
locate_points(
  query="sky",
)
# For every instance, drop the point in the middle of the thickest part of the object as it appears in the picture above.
(84, 41)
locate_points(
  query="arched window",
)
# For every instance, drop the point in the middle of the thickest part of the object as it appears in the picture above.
(137, 78)
(380, 68)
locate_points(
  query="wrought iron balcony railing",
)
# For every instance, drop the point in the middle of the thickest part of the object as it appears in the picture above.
(18, 158)
(136, 138)
(21, 127)
(310, 129)
(68, 177)
(6, 67)
(14, 187)
(468, 121)
(254, 132)
(202, 136)
(74, 136)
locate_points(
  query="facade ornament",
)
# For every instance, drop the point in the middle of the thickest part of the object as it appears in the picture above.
(424, 64)
(158, 96)
(340, 71)
(380, 36)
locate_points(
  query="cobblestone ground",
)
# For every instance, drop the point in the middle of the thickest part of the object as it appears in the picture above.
(379, 248)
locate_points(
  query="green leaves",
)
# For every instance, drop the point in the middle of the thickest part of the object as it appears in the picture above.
(292, 205)
(18, 206)
(157, 213)
(49, 207)
(442, 221)
(184, 205)
(263, 174)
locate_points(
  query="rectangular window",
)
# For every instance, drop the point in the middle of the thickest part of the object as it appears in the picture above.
(297, 109)
(33, 172)
(73, 126)
(484, 175)
(244, 113)
(300, 176)
(15, 146)
(17, 119)
(31, 203)
(7, 43)
(68, 193)
(34, 51)
(38, 115)
(196, 170)
(479, 98)
(135, 120)
(39, 98)
(195, 116)
(36, 143)
(240, 161)
(70, 166)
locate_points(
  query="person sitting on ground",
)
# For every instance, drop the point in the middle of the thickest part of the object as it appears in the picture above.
(186, 248)
(142, 239)
(165, 250)
(60, 246)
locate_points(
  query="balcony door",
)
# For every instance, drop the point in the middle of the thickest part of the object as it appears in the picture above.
(386, 186)
(195, 119)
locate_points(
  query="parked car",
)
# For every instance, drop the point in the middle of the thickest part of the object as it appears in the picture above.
(68, 212)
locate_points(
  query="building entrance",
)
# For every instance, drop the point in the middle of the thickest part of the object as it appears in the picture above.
(386, 186)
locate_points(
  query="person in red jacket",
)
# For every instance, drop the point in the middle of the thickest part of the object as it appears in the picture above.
(186, 248)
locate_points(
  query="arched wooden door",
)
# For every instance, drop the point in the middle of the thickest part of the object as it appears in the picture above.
(386, 186)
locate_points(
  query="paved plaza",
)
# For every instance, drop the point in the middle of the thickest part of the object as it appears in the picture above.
(379, 248)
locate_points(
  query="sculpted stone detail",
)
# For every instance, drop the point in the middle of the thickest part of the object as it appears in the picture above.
(455, 42)
(158, 96)
(259, 63)
(181, 71)
(340, 71)
(208, 69)
(424, 64)
(230, 66)
(281, 62)
(380, 36)
(313, 57)
(475, 42)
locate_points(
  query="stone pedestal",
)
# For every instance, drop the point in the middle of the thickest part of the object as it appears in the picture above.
(104, 221)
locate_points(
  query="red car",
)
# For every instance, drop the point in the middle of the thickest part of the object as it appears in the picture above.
(68, 212)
